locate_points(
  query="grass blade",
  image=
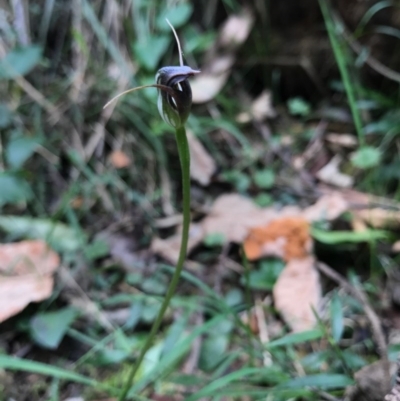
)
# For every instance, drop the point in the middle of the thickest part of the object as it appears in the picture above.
(18, 364)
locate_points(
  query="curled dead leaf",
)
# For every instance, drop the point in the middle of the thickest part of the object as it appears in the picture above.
(331, 174)
(26, 270)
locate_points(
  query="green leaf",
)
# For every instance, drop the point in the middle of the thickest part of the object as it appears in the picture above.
(264, 179)
(20, 61)
(152, 359)
(352, 360)
(214, 239)
(19, 149)
(263, 199)
(366, 157)
(264, 278)
(197, 41)
(337, 237)
(5, 116)
(48, 329)
(156, 284)
(59, 236)
(96, 249)
(177, 16)
(316, 360)
(213, 351)
(108, 356)
(18, 364)
(234, 297)
(296, 338)
(240, 180)
(298, 106)
(336, 310)
(150, 50)
(209, 390)
(322, 381)
(13, 189)
(176, 354)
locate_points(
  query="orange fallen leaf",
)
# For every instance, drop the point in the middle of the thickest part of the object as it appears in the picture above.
(297, 293)
(119, 159)
(286, 238)
(26, 275)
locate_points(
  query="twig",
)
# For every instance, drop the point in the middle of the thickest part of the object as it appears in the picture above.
(192, 361)
(263, 330)
(361, 297)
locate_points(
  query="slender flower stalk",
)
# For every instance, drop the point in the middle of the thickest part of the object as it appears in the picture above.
(174, 104)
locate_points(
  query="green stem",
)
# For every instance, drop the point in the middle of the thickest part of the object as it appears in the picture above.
(184, 156)
(342, 62)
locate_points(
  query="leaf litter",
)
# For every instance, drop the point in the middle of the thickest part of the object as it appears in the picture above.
(271, 232)
(26, 275)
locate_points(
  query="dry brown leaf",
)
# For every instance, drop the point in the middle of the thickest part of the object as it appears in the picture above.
(169, 248)
(379, 217)
(220, 58)
(209, 83)
(236, 29)
(330, 174)
(358, 225)
(375, 211)
(26, 270)
(202, 165)
(373, 382)
(286, 238)
(343, 140)
(233, 215)
(396, 247)
(297, 293)
(328, 207)
(119, 159)
(360, 200)
(261, 108)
